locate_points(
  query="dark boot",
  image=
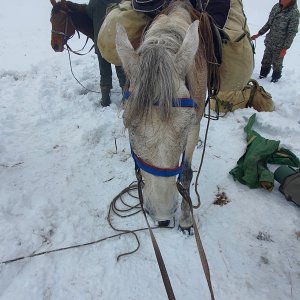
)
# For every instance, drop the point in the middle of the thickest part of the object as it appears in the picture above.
(264, 71)
(275, 76)
(105, 98)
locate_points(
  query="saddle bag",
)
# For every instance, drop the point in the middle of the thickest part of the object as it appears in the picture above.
(259, 98)
(237, 50)
(252, 95)
(133, 21)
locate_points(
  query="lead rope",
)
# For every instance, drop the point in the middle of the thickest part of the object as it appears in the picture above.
(160, 261)
(185, 195)
(70, 63)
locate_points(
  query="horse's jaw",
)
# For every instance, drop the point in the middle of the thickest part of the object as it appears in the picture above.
(160, 197)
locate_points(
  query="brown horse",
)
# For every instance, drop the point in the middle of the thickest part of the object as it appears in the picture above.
(67, 18)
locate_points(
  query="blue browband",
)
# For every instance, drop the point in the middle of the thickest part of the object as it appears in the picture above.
(180, 102)
(163, 172)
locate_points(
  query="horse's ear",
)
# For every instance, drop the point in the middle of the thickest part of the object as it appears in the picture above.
(127, 54)
(186, 53)
(53, 2)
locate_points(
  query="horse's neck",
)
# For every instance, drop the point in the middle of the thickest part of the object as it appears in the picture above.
(80, 19)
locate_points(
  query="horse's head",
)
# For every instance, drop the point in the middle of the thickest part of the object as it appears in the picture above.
(158, 127)
(62, 26)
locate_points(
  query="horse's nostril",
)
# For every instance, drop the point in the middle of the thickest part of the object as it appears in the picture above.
(163, 223)
(55, 47)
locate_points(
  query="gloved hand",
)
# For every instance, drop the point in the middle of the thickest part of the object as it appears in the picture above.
(282, 53)
(255, 36)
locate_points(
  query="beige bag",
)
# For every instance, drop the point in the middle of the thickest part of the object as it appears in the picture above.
(259, 99)
(237, 52)
(134, 23)
(252, 95)
(229, 101)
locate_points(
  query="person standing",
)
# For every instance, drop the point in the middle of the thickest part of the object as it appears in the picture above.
(282, 26)
(96, 10)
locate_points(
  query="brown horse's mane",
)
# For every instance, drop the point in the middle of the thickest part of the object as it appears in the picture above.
(79, 16)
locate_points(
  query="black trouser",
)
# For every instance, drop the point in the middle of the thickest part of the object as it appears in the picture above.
(106, 73)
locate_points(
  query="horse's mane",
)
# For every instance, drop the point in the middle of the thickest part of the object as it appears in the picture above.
(79, 16)
(155, 75)
(206, 35)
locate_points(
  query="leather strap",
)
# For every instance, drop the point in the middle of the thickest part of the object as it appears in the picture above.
(160, 261)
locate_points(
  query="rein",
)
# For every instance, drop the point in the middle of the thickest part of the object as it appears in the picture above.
(163, 271)
(168, 172)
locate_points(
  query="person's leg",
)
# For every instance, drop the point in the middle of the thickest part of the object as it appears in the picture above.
(266, 63)
(105, 80)
(277, 66)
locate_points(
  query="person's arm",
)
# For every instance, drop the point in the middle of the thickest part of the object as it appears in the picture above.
(267, 26)
(291, 30)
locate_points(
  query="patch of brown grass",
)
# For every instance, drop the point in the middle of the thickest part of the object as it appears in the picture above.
(221, 198)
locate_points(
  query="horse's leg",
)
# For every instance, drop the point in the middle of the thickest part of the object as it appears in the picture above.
(185, 221)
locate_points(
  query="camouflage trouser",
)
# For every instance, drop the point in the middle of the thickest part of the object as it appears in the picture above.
(271, 58)
(106, 73)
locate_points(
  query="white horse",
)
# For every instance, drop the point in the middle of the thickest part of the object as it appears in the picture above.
(165, 72)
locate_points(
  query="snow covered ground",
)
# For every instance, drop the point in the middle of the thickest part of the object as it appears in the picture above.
(60, 169)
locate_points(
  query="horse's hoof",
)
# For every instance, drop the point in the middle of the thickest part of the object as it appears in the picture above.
(185, 230)
(164, 223)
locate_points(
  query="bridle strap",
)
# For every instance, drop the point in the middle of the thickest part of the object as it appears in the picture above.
(160, 261)
(156, 171)
(180, 102)
(163, 271)
(77, 52)
(186, 196)
(64, 34)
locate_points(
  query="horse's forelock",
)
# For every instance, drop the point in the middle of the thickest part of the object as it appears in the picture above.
(155, 76)
(153, 81)
(58, 7)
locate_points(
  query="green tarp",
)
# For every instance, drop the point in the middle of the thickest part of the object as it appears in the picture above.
(252, 169)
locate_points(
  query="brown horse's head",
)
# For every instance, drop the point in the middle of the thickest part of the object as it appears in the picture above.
(62, 26)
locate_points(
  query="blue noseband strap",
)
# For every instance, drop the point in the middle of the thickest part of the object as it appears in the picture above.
(163, 172)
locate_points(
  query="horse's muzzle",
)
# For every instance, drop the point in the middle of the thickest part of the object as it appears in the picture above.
(56, 48)
(164, 223)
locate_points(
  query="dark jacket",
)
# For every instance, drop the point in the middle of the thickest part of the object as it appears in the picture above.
(283, 25)
(96, 10)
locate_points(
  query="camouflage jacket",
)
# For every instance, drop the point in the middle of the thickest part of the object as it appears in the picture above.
(283, 26)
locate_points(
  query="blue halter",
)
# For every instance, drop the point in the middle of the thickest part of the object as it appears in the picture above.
(153, 170)
(156, 171)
